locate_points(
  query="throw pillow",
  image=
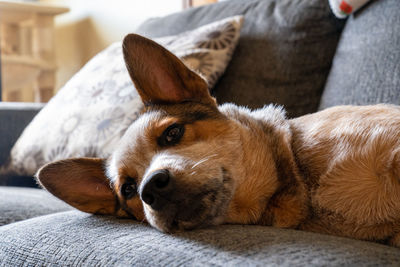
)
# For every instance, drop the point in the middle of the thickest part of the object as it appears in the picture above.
(88, 116)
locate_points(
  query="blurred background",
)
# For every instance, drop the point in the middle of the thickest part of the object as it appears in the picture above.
(45, 42)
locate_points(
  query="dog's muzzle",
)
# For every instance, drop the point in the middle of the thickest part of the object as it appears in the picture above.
(172, 202)
(157, 189)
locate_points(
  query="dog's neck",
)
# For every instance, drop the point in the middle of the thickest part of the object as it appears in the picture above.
(267, 169)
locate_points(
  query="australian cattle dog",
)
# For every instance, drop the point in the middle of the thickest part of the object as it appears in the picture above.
(187, 163)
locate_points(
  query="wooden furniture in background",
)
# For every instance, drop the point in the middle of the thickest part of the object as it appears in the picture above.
(27, 50)
(195, 3)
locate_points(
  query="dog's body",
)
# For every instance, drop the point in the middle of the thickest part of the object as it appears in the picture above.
(186, 163)
(335, 171)
(350, 160)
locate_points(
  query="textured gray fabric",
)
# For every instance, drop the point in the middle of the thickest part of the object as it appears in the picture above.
(366, 68)
(284, 52)
(18, 204)
(13, 119)
(78, 239)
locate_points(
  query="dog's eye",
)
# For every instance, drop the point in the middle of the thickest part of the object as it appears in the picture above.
(129, 190)
(172, 135)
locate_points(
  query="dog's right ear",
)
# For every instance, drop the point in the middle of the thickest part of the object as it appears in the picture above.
(80, 182)
(159, 76)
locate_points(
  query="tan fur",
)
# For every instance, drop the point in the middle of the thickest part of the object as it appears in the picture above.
(335, 172)
(254, 200)
(351, 155)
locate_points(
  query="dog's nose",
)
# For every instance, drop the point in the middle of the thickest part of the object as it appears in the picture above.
(156, 189)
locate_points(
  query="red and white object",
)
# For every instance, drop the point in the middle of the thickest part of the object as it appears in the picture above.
(343, 8)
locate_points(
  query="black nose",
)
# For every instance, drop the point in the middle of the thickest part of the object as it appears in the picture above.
(155, 190)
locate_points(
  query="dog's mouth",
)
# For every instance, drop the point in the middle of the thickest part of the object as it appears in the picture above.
(194, 207)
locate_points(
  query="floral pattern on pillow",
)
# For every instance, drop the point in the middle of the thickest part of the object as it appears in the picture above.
(88, 116)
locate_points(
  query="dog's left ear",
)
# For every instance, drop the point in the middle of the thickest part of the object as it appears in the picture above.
(159, 76)
(80, 182)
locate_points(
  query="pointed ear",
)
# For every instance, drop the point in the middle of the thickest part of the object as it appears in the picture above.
(80, 182)
(159, 76)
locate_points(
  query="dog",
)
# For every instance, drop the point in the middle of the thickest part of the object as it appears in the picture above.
(187, 163)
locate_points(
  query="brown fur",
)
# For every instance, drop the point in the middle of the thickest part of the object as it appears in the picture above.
(171, 71)
(83, 186)
(350, 155)
(334, 172)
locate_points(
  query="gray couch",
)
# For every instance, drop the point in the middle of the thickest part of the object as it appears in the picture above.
(291, 52)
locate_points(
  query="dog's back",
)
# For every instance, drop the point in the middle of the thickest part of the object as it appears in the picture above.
(350, 159)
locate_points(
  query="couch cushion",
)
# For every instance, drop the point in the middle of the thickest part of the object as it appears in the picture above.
(18, 204)
(366, 67)
(92, 111)
(284, 53)
(79, 239)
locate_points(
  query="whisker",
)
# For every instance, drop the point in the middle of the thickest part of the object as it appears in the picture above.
(203, 160)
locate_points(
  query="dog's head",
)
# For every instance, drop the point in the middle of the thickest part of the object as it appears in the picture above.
(174, 165)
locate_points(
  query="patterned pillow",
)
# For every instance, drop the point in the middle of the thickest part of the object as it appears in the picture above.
(88, 116)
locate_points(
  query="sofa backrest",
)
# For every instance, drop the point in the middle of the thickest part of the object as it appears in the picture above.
(366, 67)
(284, 52)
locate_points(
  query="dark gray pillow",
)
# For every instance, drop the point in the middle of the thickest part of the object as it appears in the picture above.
(284, 52)
(366, 67)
